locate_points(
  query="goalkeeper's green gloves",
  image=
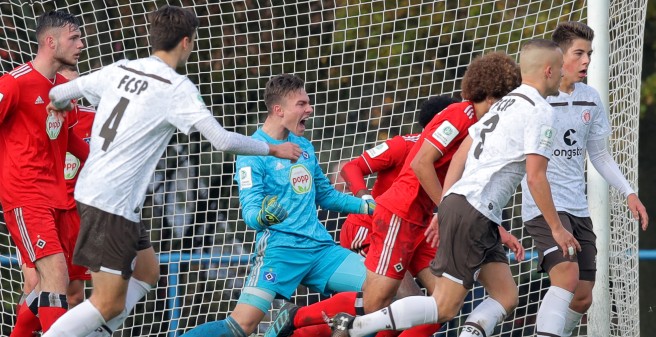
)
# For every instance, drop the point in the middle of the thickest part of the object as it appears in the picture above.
(368, 204)
(271, 212)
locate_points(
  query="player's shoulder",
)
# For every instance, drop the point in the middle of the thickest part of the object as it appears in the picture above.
(154, 68)
(18, 75)
(409, 138)
(586, 95)
(522, 97)
(461, 113)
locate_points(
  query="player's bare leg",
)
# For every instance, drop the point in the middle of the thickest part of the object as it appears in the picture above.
(580, 304)
(379, 291)
(53, 281)
(75, 293)
(503, 297)
(564, 279)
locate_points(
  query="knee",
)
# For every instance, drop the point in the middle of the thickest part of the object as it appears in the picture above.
(446, 313)
(108, 307)
(581, 302)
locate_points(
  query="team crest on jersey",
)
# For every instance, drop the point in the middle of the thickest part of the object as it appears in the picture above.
(445, 133)
(305, 154)
(377, 150)
(546, 136)
(269, 276)
(53, 126)
(245, 177)
(71, 166)
(586, 116)
(301, 179)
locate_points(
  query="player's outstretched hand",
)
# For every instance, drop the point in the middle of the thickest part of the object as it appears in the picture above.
(566, 242)
(368, 204)
(432, 233)
(287, 150)
(512, 243)
(638, 210)
(272, 212)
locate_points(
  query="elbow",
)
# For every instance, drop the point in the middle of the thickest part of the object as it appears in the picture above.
(416, 165)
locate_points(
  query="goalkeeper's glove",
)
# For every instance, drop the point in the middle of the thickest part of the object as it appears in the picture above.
(368, 204)
(271, 212)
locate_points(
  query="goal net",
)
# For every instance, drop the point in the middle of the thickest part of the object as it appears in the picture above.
(368, 65)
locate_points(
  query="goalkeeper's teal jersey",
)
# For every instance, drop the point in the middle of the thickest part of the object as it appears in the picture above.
(300, 187)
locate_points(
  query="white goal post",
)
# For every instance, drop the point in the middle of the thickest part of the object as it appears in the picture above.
(368, 66)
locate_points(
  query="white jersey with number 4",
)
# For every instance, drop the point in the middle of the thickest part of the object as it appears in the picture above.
(579, 117)
(519, 124)
(140, 104)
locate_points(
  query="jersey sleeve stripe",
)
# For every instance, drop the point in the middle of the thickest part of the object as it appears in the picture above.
(153, 76)
(522, 96)
(584, 103)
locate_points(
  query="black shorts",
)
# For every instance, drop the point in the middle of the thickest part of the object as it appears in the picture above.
(108, 242)
(468, 240)
(550, 254)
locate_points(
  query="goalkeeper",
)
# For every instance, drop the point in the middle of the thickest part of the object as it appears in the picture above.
(279, 200)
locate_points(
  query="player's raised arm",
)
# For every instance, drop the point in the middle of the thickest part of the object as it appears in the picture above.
(233, 142)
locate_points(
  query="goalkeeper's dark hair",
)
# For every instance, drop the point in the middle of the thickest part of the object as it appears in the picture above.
(279, 86)
(566, 32)
(169, 25)
(55, 19)
(491, 75)
(433, 106)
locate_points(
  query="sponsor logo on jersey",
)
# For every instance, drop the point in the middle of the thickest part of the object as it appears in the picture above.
(71, 166)
(39, 100)
(245, 177)
(377, 150)
(568, 137)
(301, 179)
(568, 153)
(586, 116)
(53, 126)
(445, 133)
(546, 136)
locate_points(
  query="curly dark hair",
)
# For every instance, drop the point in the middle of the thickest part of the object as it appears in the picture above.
(433, 106)
(279, 86)
(491, 75)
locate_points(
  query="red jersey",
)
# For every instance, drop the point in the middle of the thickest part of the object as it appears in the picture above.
(406, 198)
(82, 118)
(387, 159)
(32, 142)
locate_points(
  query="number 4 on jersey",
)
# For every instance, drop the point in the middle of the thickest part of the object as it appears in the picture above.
(108, 130)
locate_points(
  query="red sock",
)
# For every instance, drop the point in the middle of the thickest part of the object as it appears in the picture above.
(48, 316)
(312, 314)
(424, 330)
(388, 333)
(320, 330)
(26, 322)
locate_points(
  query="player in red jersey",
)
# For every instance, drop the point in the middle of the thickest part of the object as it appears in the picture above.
(32, 152)
(81, 122)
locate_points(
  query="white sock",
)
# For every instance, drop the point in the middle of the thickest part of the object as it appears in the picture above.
(551, 315)
(136, 291)
(485, 317)
(572, 320)
(400, 315)
(77, 322)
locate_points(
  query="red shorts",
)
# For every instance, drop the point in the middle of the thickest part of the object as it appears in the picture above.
(354, 234)
(35, 232)
(68, 231)
(397, 245)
